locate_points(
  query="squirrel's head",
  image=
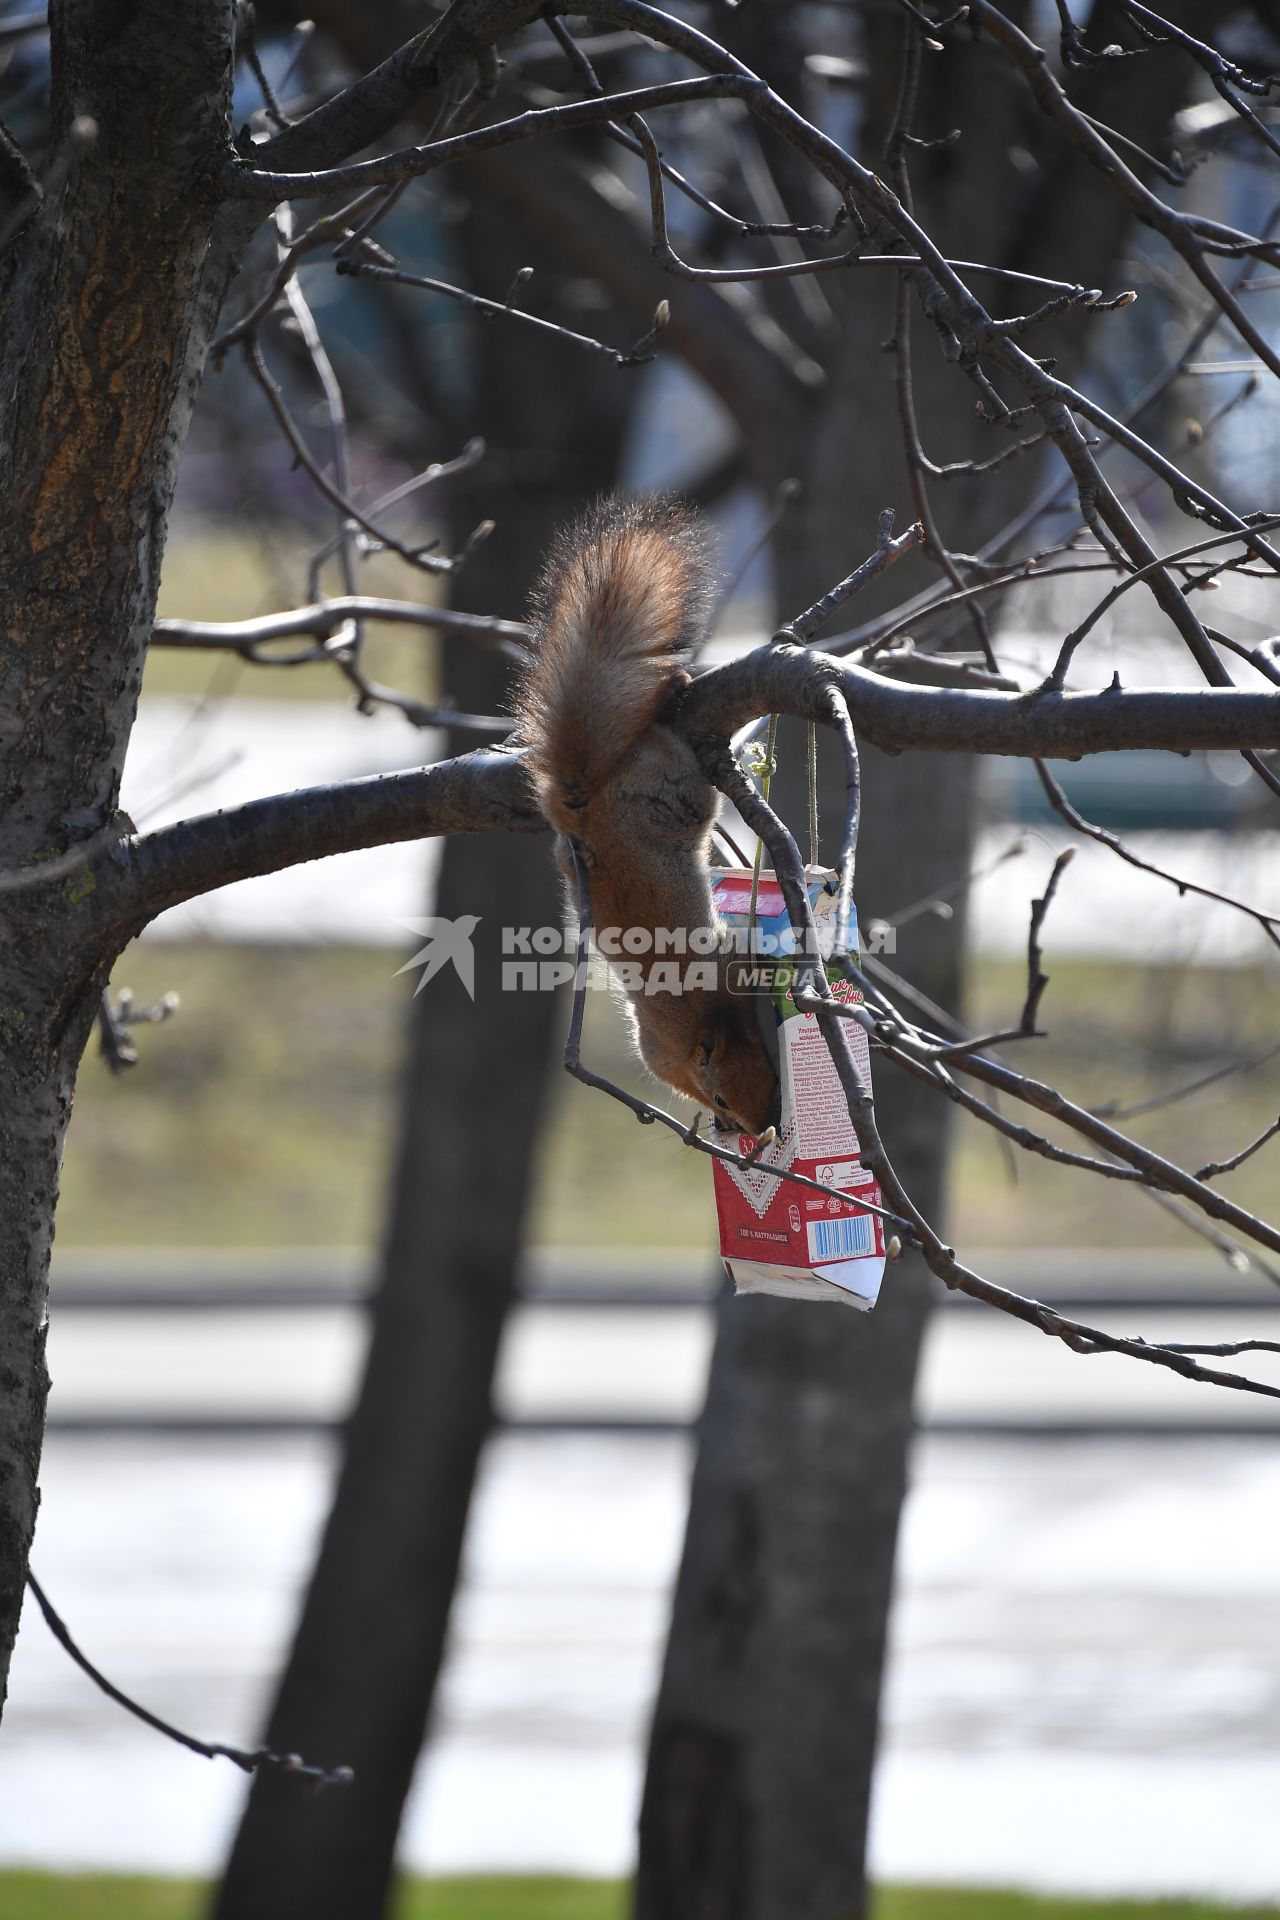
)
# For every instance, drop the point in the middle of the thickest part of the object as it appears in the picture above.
(735, 1076)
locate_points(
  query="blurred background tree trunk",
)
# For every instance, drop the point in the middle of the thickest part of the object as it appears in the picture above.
(366, 1657)
(762, 1750)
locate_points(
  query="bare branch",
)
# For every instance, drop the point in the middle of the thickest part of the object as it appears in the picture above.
(325, 617)
(1037, 980)
(116, 1024)
(246, 180)
(802, 629)
(1157, 1171)
(1057, 677)
(370, 270)
(480, 790)
(248, 1761)
(1171, 1096)
(1215, 1167)
(784, 679)
(76, 142)
(416, 556)
(487, 789)
(371, 107)
(1269, 922)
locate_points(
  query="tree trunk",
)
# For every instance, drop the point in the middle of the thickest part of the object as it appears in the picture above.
(763, 1739)
(763, 1742)
(361, 1675)
(37, 1075)
(104, 321)
(364, 1666)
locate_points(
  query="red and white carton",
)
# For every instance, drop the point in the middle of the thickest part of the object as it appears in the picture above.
(777, 1236)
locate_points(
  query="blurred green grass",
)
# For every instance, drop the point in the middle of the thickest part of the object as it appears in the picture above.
(42, 1896)
(263, 1114)
(38, 1896)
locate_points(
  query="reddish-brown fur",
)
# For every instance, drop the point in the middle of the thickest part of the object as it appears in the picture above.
(619, 612)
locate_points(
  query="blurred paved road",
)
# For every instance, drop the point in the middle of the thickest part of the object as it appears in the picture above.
(644, 1361)
(1083, 1691)
(1085, 1680)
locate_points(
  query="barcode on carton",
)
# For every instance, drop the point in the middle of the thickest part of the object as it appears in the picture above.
(842, 1239)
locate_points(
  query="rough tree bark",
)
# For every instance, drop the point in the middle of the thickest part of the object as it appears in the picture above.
(110, 288)
(103, 328)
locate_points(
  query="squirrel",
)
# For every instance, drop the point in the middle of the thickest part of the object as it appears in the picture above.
(618, 615)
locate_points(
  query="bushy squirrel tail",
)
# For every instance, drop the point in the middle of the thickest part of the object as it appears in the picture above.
(618, 614)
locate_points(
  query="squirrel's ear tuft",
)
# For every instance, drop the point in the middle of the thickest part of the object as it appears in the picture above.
(706, 1049)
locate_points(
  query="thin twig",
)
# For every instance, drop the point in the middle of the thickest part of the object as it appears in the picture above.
(325, 617)
(852, 822)
(785, 496)
(1037, 979)
(370, 270)
(1269, 922)
(1215, 1167)
(802, 629)
(248, 1760)
(1113, 1110)
(116, 1024)
(79, 137)
(247, 38)
(416, 556)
